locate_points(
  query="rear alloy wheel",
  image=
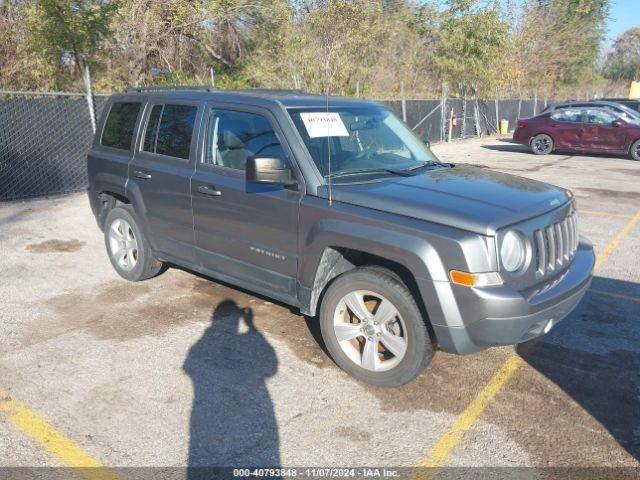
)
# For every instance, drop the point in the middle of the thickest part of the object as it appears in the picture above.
(635, 150)
(373, 328)
(542, 144)
(127, 246)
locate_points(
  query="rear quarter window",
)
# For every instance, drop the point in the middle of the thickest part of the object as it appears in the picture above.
(120, 125)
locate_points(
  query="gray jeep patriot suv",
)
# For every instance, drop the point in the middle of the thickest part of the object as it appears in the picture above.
(334, 206)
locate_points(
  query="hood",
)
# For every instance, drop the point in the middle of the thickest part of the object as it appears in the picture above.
(465, 197)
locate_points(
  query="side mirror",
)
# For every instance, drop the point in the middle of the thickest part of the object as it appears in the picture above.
(266, 170)
(617, 123)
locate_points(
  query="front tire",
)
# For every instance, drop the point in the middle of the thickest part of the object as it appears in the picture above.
(635, 150)
(542, 144)
(127, 247)
(373, 328)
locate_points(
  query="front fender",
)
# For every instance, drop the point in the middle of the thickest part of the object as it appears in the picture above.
(416, 254)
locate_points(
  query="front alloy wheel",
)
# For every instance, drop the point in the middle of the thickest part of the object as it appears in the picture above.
(373, 328)
(370, 330)
(635, 150)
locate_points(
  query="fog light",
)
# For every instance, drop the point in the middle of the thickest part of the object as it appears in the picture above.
(548, 326)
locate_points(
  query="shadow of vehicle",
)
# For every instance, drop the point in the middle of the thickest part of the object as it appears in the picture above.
(594, 356)
(232, 418)
(510, 146)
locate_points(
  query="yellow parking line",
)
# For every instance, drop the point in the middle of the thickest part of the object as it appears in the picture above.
(440, 454)
(442, 450)
(604, 214)
(42, 432)
(613, 244)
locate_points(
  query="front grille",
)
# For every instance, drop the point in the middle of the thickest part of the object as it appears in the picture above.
(556, 244)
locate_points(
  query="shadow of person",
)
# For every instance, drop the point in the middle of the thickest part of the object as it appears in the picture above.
(232, 418)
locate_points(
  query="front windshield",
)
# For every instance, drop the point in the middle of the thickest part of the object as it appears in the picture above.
(360, 140)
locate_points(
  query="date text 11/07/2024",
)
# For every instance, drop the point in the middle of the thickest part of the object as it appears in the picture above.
(362, 472)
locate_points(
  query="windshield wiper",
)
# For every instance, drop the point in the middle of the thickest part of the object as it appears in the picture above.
(424, 165)
(358, 171)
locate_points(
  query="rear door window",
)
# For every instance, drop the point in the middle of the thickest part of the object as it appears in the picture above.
(570, 115)
(120, 125)
(150, 134)
(170, 129)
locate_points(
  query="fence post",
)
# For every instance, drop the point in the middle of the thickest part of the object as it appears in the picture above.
(90, 104)
(443, 111)
(476, 116)
(497, 116)
(213, 77)
(297, 82)
(463, 128)
(404, 103)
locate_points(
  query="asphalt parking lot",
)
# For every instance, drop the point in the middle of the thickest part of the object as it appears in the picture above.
(180, 370)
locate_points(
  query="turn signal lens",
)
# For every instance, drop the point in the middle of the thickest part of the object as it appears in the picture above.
(522, 124)
(486, 279)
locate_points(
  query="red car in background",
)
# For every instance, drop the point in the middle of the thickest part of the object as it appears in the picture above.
(579, 129)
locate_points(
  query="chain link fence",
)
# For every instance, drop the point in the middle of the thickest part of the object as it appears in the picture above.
(45, 137)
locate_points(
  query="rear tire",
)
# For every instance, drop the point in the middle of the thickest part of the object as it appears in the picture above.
(373, 329)
(635, 150)
(542, 144)
(127, 247)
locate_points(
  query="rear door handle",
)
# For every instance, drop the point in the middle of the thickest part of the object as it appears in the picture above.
(141, 175)
(209, 190)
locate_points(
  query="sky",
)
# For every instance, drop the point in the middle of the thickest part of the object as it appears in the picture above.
(623, 15)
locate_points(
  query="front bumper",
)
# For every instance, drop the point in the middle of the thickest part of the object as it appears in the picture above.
(477, 318)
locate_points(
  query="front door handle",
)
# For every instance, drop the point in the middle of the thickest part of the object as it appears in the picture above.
(209, 190)
(141, 175)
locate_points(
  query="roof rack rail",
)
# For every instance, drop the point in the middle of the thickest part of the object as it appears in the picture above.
(169, 88)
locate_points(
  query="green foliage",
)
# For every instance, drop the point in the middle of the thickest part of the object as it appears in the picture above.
(623, 63)
(64, 31)
(472, 44)
(549, 46)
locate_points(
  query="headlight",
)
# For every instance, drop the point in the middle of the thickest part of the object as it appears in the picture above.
(512, 252)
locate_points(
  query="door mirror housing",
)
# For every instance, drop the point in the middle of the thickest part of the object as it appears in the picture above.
(269, 171)
(617, 123)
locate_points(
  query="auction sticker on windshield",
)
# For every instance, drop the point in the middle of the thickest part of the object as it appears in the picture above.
(324, 124)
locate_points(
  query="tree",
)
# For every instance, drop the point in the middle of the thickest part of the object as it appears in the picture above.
(472, 44)
(63, 32)
(623, 63)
